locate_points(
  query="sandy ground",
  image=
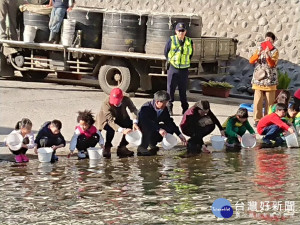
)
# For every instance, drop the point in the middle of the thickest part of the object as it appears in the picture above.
(41, 101)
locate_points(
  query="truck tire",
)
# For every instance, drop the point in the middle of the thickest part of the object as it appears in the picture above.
(115, 74)
(34, 75)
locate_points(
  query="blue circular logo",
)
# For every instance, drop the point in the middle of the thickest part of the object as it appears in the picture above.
(221, 208)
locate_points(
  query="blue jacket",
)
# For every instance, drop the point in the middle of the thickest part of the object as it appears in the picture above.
(148, 118)
(52, 139)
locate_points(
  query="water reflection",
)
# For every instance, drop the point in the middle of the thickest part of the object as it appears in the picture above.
(163, 189)
(150, 172)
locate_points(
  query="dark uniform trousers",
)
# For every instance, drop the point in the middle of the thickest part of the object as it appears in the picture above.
(178, 77)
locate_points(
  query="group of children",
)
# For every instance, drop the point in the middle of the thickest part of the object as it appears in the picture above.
(282, 118)
(86, 135)
(197, 122)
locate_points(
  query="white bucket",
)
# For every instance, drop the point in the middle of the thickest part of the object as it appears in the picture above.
(169, 141)
(68, 32)
(45, 154)
(248, 141)
(218, 142)
(14, 141)
(292, 140)
(134, 137)
(29, 33)
(95, 153)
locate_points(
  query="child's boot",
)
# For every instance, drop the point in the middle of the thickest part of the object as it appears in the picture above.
(24, 158)
(18, 158)
(81, 154)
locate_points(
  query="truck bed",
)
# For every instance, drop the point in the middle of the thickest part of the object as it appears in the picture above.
(94, 51)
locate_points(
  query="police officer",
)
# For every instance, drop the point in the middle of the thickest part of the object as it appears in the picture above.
(178, 51)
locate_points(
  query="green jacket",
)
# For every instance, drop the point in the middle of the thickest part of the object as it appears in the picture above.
(232, 122)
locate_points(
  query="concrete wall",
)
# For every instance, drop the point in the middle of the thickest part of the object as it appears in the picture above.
(245, 20)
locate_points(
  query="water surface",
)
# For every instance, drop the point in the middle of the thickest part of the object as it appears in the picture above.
(164, 189)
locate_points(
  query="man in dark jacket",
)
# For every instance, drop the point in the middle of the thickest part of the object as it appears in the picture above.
(155, 122)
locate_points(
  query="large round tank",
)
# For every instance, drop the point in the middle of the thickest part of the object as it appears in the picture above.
(42, 24)
(161, 27)
(91, 25)
(123, 32)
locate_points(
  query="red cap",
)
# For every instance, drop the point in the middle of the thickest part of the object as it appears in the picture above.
(297, 94)
(116, 96)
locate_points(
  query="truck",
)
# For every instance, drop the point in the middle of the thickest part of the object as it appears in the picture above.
(129, 71)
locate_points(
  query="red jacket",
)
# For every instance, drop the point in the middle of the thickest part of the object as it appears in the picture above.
(271, 119)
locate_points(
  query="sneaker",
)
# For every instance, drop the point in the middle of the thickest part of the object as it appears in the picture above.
(106, 152)
(81, 155)
(279, 142)
(18, 158)
(267, 143)
(123, 152)
(24, 158)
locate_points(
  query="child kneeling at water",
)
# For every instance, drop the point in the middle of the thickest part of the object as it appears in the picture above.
(271, 126)
(86, 134)
(23, 128)
(50, 136)
(235, 127)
